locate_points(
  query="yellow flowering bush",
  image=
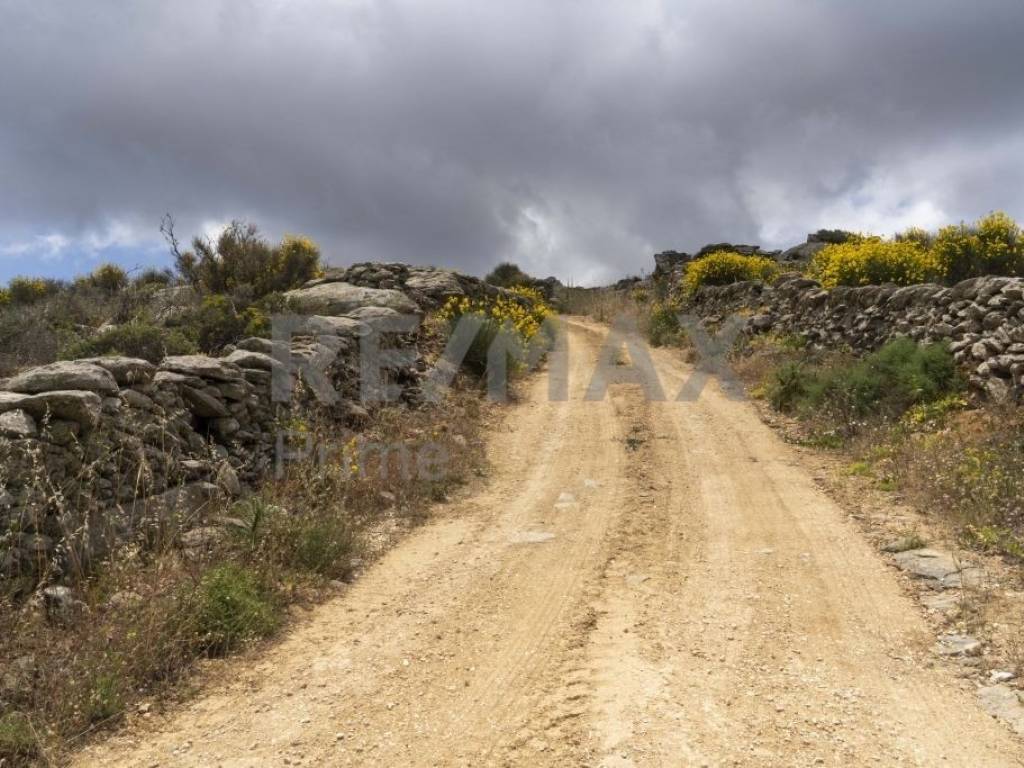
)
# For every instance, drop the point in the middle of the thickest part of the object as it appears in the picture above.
(522, 311)
(5, 297)
(726, 267)
(29, 290)
(994, 245)
(872, 261)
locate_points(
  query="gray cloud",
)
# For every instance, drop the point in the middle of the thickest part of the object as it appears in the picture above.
(575, 137)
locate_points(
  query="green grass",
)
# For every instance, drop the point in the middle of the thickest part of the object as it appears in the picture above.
(233, 607)
(18, 740)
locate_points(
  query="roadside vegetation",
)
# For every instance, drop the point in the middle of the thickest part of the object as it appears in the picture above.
(112, 640)
(78, 659)
(902, 417)
(219, 292)
(993, 245)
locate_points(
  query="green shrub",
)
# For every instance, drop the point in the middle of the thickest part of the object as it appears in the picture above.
(135, 339)
(887, 382)
(727, 267)
(108, 277)
(993, 245)
(662, 325)
(874, 261)
(220, 321)
(233, 607)
(243, 263)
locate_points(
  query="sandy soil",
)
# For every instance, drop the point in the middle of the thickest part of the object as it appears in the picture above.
(638, 584)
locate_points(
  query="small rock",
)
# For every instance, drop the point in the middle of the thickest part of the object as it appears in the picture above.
(227, 479)
(17, 424)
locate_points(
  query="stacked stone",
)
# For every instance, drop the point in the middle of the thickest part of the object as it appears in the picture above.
(93, 452)
(982, 318)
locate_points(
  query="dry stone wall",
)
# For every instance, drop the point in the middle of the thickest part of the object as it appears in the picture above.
(99, 451)
(981, 318)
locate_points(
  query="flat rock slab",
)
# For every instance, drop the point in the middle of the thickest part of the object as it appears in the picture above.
(343, 298)
(940, 568)
(69, 375)
(942, 602)
(202, 367)
(78, 406)
(1003, 703)
(958, 645)
(531, 537)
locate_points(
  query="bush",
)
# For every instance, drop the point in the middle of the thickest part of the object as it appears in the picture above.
(661, 325)
(233, 607)
(507, 275)
(153, 276)
(108, 277)
(992, 246)
(522, 315)
(5, 297)
(29, 290)
(887, 382)
(243, 263)
(874, 261)
(134, 339)
(725, 268)
(219, 321)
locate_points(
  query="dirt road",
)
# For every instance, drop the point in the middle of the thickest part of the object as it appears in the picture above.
(639, 584)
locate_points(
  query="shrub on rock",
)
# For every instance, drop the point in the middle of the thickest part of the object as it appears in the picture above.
(873, 261)
(727, 267)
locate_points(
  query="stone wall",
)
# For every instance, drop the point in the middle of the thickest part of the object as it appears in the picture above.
(97, 451)
(982, 319)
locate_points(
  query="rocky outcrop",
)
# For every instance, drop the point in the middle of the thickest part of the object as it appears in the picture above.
(981, 318)
(427, 287)
(99, 451)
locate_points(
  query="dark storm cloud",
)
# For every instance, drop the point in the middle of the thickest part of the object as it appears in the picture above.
(576, 137)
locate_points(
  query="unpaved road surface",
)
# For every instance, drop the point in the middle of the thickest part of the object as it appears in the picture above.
(639, 584)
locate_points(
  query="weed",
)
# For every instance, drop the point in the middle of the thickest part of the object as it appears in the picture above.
(18, 740)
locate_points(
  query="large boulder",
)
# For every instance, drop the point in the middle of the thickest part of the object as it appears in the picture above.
(344, 298)
(666, 262)
(802, 252)
(67, 375)
(437, 284)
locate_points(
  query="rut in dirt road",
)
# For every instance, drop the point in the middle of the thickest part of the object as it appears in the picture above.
(639, 584)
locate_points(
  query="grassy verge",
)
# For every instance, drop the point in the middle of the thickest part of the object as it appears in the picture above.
(902, 418)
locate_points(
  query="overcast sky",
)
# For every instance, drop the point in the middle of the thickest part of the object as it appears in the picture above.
(575, 137)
